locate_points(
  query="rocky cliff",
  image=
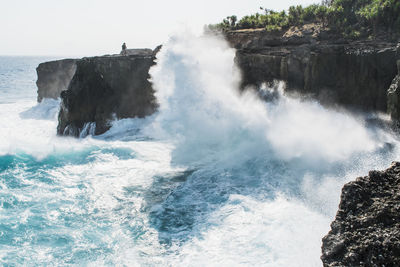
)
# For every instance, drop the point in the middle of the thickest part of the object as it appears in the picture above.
(366, 230)
(359, 75)
(54, 77)
(313, 61)
(394, 92)
(105, 88)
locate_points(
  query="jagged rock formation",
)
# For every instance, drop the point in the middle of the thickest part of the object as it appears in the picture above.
(313, 61)
(105, 88)
(366, 230)
(54, 77)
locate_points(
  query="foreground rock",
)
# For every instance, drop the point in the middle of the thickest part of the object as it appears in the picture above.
(313, 61)
(366, 230)
(54, 77)
(105, 88)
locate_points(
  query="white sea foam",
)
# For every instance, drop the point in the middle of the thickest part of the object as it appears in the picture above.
(214, 126)
(45, 110)
(215, 178)
(247, 232)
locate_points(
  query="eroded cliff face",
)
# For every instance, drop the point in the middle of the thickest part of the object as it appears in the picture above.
(54, 77)
(317, 63)
(366, 230)
(106, 88)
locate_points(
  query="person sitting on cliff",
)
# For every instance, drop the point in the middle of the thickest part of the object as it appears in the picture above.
(123, 52)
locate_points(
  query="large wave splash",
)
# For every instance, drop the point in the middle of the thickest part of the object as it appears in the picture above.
(203, 110)
(267, 175)
(216, 177)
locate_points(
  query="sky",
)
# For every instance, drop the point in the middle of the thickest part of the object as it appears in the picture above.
(78, 28)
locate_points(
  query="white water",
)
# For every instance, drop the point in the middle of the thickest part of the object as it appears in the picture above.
(215, 178)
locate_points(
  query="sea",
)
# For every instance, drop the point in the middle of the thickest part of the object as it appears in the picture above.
(216, 177)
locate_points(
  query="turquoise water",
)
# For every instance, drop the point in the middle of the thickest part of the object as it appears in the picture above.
(214, 178)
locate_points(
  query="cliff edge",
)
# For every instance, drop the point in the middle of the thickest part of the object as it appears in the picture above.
(316, 62)
(366, 230)
(106, 88)
(358, 74)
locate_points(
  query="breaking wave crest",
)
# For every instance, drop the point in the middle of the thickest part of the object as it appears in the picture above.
(216, 177)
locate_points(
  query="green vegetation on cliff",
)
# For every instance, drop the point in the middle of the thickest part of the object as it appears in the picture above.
(352, 18)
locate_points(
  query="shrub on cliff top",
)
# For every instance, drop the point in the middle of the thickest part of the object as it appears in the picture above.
(352, 18)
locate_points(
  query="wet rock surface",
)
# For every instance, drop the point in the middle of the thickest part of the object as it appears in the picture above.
(366, 230)
(106, 88)
(315, 62)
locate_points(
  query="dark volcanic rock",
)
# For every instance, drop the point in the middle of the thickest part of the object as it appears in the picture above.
(54, 77)
(105, 88)
(366, 230)
(318, 63)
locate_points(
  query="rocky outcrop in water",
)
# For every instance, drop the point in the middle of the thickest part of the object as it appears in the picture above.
(315, 62)
(105, 88)
(366, 230)
(54, 77)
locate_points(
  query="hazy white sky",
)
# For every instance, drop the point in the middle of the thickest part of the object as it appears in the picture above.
(96, 27)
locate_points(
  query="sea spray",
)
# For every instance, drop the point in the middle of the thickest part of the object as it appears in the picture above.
(216, 177)
(288, 152)
(201, 107)
(195, 81)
